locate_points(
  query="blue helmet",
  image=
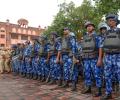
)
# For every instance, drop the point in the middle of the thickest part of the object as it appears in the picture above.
(42, 37)
(66, 28)
(27, 42)
(14, 46)
(114, 17)
(89, 23)
(103, 25)
(54, 33)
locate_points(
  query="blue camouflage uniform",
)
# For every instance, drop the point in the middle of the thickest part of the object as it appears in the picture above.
(13, 62)
(21, 60)
(16, 60)
(111, 68)
(27, 68)
(35, 58)
(55, 68)
(43, 66)
(91, 70)
(67, 59)
(76, 68)
(80, 59)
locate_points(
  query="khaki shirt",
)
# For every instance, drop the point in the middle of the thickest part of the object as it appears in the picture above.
(2, 54)
(7, 54)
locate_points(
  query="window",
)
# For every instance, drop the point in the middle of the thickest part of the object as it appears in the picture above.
(2, 30)
(24, 31)
(14, 30)
(24, 37)
(33, 37)
(33, 33)
(19, 31)
(2, 36)
(14, 36)
(2, 45)
(29, 32)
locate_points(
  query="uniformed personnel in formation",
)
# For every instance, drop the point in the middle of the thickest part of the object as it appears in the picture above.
(60, 60)
(5, 66)
(1, 61)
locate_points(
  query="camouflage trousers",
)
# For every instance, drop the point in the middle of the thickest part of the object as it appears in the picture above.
(22, 67)
(42, 66)
(15, 65)
(74, 73)
(111, 70)
(35, 65)
(67, 67)
(55, 68)
(27, 65)
(92, 72)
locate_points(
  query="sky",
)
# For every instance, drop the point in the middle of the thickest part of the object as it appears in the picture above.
(37, 12)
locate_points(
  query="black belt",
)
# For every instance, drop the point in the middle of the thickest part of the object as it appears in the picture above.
(90, 55)
(43, 54)
(112, 53)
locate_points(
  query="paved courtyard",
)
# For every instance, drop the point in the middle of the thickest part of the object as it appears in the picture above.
(17, 88)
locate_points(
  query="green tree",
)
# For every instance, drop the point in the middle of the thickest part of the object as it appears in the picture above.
(74, 17)
(107, 6)
(61, 20)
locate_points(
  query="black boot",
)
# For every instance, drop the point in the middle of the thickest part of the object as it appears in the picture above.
(35, 77)
(113, 86)
(39, 78)
(107, 97)
(65, 85)
(74, 86)
(27, 75)
(48, 80)
(99, 93)
(52, 82)
(21, 74)
(60, 82)
(31, 76)
(24, 75)
(14, 73)
(86, 90)
(117, 87)
(43, 79)
(18, 72)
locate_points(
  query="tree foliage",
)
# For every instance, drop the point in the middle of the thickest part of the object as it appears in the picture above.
(107, 6)
(75, 17)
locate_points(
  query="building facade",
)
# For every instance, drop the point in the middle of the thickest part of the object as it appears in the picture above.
(17, 33)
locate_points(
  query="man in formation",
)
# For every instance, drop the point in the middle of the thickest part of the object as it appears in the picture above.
(62, 59)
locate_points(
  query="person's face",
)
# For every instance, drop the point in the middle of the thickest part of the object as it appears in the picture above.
(103, 30)
(26, 44)
(66, 32)
(21, 46)
(90, 28)
(33, 42)
(52, 37)
(111, 22)
(41, 40)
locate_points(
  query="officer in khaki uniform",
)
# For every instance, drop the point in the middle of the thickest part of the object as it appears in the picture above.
(7, 60)
(1, 60)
